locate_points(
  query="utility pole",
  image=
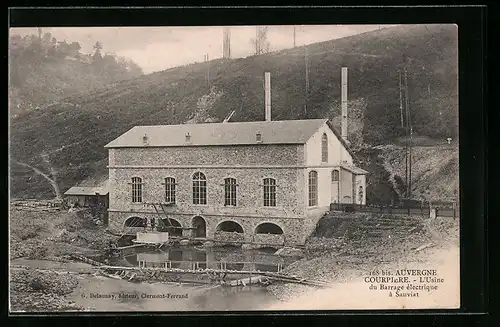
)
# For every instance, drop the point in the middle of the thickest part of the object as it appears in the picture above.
(307, 79)
(257, 42)
(408, 131)
(208, 70)
(226, 43)
(406, 142)
(400, 99)
(294, 36)
(207, 74)
(205, 61)
(411, 135)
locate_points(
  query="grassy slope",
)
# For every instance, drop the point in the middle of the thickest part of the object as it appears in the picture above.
(74, 132)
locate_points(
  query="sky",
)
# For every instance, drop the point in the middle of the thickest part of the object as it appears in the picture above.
(159, 48)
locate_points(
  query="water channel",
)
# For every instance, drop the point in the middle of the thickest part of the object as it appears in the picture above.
(107, 294)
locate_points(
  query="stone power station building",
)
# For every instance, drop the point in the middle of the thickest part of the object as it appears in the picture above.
(266, 182)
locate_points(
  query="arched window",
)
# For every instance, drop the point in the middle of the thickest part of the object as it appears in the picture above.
(313, 188)
(230, 192)
(360, 195)
(335, 175)
(269, 192)
(199, 188)
(170, 190)
(324, 148)
(136, 189)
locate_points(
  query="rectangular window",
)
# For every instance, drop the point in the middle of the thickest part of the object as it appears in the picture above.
(269, 192)
(136, 189)
(230, 192)
(170, 190)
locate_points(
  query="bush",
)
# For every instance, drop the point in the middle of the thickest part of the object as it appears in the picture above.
(25, 234)
(39, 252)
(38, 284)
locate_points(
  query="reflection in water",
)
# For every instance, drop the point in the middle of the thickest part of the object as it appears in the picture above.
(176, 256)
(201, 258)
(132, 259)
(266, 267)
(235, 266)
(234, 258)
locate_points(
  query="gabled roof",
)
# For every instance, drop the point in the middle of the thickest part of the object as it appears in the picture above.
(232, 133)
(355, 170)
(339, 137)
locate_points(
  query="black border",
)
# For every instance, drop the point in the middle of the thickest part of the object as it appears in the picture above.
(472, 27)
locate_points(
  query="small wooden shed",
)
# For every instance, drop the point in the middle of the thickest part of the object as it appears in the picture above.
(90, 193)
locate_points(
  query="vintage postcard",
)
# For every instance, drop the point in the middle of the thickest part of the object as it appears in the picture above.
(230, 168)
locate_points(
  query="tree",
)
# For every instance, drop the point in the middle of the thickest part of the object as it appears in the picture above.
(47, 37)
(97, 51)
(133, 68)
(260, 42)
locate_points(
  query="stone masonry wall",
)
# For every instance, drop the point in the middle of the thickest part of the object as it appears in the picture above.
(293, 228)
(216, 163)
(263, 154)
(249, 191)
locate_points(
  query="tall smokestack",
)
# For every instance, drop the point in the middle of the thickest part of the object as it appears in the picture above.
(344, 104)
(267, 76)
(226, 43)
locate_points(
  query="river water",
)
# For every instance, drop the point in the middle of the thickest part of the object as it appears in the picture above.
(107, 294)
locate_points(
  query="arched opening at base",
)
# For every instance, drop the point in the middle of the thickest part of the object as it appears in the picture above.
(268, 228)
(135, 222)
(229, 226)
(170, 224)
(230, 232)
(269, 234)
(200, 227)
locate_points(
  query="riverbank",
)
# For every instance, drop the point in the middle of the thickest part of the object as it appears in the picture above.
(44, 279)
(344, 264)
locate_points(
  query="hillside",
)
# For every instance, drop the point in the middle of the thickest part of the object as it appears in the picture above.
(72, 133)
(434, 170)
(43, 70)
